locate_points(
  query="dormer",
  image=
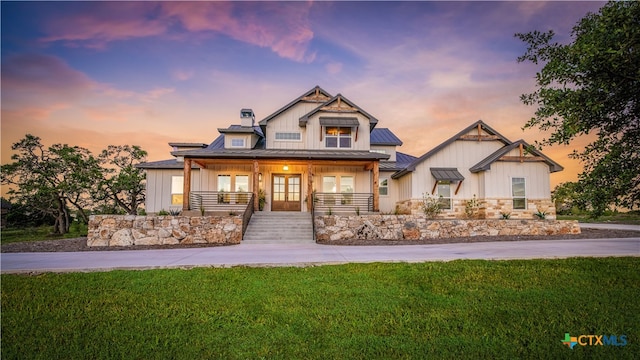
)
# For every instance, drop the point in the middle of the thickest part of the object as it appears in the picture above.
(243, 136)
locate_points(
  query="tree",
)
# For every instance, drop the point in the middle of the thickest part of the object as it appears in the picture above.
(123, 183)
(49, 180)
(592, 86)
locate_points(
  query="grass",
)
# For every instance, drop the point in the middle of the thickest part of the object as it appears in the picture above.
(460, 309)
(632, 218)
(41, 233)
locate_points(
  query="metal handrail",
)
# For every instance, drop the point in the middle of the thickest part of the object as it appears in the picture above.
(219, 200)
(343, 202)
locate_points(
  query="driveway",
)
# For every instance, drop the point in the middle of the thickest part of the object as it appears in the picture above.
(312, 254)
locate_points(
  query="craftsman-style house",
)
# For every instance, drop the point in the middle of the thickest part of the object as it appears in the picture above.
(324, 153)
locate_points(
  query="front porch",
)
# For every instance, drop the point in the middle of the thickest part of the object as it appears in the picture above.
(228, 185)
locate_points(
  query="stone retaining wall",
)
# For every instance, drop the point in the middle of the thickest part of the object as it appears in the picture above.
(488, 209)
(413, 227)
(127, 230)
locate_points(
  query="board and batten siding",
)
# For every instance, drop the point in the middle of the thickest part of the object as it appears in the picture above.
(498, 179)
(288, 121)
(159, 188)
(389, 150)
(461, 155)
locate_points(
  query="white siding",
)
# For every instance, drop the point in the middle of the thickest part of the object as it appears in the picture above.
(288, 121)
(498, 179)
(158, 195)
(461, 155)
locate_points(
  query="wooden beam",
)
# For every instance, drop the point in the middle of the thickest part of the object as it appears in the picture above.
(356, 134)
(435, 185)
(256, 185)
(521, 159)
(376, 189)
(186, 186)
(479, 132)
(309, 186)
(458, 188)
(521, 152)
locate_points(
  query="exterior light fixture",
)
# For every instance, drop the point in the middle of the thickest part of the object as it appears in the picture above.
(285, 168)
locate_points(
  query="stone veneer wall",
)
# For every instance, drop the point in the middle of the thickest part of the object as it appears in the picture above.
(127, 230)
(413, 227)
(489, 209)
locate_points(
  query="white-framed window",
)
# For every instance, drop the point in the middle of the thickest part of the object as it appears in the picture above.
(338, 137)
(444, 194)
(519, 193)
(383, 189)
(177, 189)
(288, 136)
(237, 142)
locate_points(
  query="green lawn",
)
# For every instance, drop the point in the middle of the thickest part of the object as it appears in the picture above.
(632, 218)
(11, 235)
(459, 309)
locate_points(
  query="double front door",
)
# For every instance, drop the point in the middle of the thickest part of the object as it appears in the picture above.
(286, 192)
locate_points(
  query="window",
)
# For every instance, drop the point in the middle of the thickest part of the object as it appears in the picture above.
(177, 188)
(284, 136)
(242, 185)
(383, 189)
(346, 188)
(338, 137)
(518, 193)
(224, 185)
(237, 142)
(444, 194)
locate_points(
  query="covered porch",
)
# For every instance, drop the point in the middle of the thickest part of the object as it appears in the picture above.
(283, 184)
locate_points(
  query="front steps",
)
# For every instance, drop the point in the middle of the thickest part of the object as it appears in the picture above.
(279, 227)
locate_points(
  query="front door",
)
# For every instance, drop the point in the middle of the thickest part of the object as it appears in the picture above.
(286, 193)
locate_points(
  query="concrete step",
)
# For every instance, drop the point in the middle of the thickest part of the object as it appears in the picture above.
(279, 228)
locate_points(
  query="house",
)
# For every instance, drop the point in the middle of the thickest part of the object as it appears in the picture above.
(326, 153)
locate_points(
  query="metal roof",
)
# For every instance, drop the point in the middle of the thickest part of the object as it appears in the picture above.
(485, 164)
(446, 174)
(339, 121)
(164, 164)
(239, 129)
(384, 136)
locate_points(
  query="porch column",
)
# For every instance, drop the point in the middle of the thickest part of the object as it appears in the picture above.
(186, 187)
(256, 185)
(376, 187)
(309, 187)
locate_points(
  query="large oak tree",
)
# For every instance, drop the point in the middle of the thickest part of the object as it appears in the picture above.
(592, 86)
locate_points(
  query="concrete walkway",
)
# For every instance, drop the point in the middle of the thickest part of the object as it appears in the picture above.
(312, 254)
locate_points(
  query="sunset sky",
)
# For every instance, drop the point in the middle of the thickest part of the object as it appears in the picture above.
(148, 73)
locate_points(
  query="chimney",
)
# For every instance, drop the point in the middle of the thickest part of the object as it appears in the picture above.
(247, 118)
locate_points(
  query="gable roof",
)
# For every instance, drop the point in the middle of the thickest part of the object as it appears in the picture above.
(384, 136)
(411, 167)
(304, 119)
(317, 94)
(485, 164)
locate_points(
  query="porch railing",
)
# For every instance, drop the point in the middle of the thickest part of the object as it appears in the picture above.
(343, 202)
(220, 201)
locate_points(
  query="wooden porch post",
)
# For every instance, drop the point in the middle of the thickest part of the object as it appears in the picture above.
(186, 187)
(309, 186)
(376, 188)
(256, 185)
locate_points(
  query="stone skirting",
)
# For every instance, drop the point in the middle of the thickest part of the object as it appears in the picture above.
(413, 227)
(128, 230)
(488, 209)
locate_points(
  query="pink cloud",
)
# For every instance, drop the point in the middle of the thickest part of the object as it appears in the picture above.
(283, 27)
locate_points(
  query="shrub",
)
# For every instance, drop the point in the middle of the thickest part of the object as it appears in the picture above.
(431, 206)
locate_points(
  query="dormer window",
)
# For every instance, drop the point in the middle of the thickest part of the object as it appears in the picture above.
(239, 143)
(338, 137)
